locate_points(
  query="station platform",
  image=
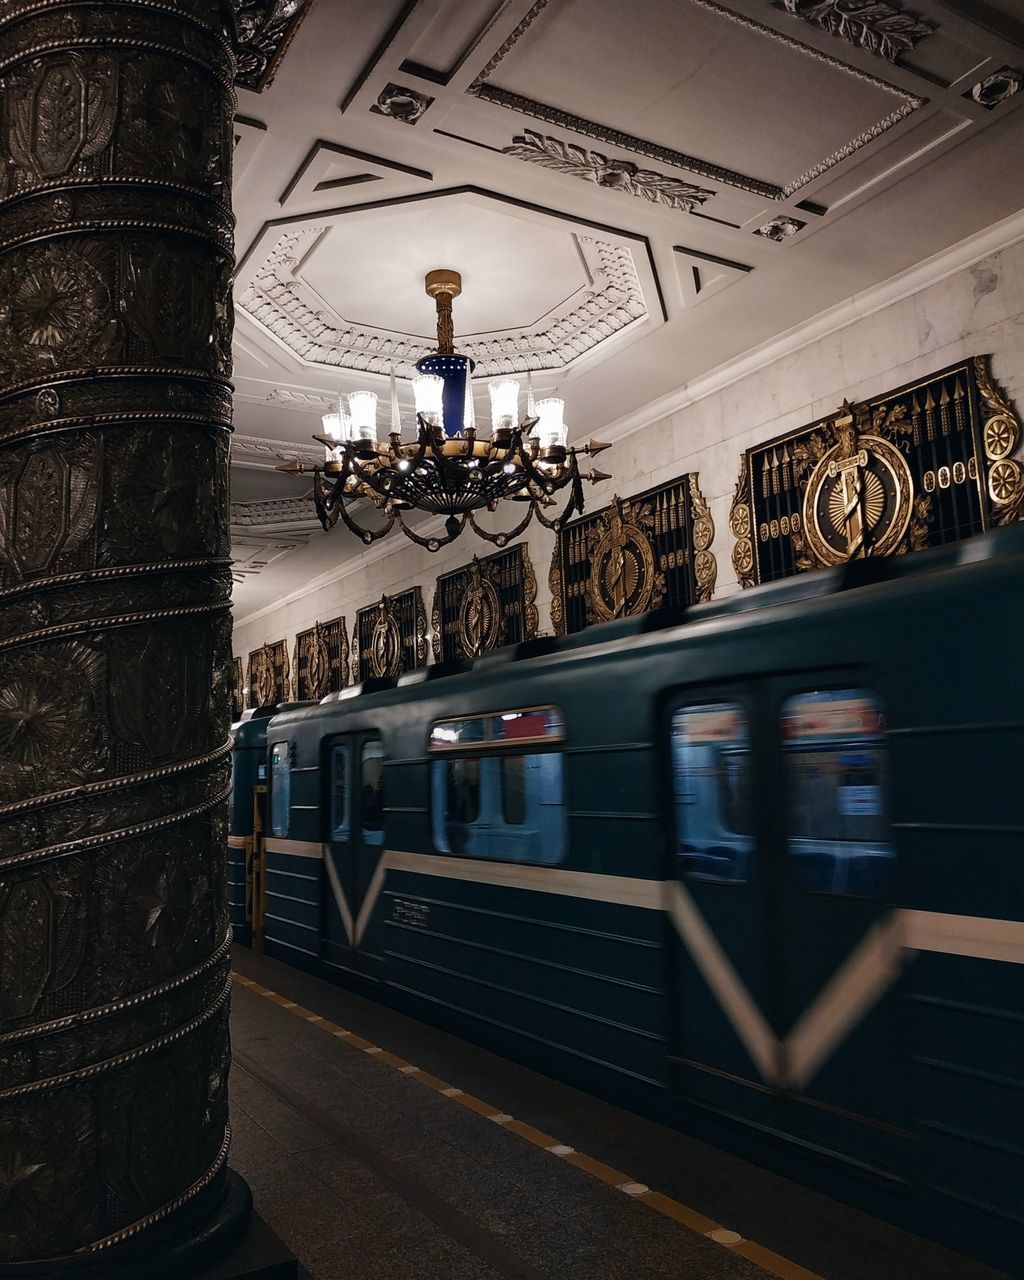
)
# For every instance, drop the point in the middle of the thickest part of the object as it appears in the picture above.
(377, 1147)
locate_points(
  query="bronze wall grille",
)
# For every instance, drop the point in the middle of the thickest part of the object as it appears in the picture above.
(320, 663)
(484, 605)
(390, 637)
(634, 555)
(922, 466)
(269, 671)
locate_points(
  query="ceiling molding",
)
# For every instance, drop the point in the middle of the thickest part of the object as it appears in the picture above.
(402, 15)
(313, 175)
(263, 39)
(258, 451)
(480, 88)
(880, 28)
(292, 515)
(613, 175)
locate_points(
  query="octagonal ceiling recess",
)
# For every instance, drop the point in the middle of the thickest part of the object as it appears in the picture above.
(538, 293)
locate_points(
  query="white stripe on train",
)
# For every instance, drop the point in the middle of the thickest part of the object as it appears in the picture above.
(870, 969)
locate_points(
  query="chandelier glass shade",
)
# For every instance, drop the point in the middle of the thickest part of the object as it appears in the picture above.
(449, 469)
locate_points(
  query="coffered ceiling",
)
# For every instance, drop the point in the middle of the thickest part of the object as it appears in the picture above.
(634, 194)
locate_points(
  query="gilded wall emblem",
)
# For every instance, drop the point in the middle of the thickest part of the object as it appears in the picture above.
(623, 576)
(858, 498)
(922, 466)
(385, 652)
(479, 618)
(485, 604)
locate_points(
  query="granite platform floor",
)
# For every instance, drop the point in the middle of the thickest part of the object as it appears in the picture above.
(368, 1152)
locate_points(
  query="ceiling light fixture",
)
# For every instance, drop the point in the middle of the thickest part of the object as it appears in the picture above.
(448, 470)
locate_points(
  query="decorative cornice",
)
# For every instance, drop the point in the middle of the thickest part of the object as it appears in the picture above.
(667, 155)
(265, 30)
(258, 450)
(614, 175)
(273, 511)
(880, 28)
(277, 299)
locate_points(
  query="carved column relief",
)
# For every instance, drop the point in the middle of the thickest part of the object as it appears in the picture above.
(115, 664)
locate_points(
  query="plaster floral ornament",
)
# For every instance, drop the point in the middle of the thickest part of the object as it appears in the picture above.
(880, 28)
(780, 229)
(615, 175)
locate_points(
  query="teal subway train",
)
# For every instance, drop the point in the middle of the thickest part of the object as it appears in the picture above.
(756, 869)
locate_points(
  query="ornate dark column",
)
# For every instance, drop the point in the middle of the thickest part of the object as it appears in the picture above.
(115, 659)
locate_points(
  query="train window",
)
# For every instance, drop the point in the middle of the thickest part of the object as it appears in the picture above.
(510, 808)
(835, 757)
(339, 792)
(371, 799)
(711, 773)
(280, 788)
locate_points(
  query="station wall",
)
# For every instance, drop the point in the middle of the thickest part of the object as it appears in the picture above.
(967, 302)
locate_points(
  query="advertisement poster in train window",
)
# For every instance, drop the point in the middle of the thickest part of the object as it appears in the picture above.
(633, 556)
(485, 604)
(928, 464)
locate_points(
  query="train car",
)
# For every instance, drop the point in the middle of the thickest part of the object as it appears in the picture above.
(755, 870)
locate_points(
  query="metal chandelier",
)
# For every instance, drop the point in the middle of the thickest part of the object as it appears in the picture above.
(449, 470)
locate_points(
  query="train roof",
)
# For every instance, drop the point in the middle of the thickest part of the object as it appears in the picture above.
(1000, 546)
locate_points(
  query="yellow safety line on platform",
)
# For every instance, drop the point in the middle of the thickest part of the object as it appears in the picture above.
(768, 1261)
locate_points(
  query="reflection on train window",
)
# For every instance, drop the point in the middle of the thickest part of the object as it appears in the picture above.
(535, 724)
(513, 790)
(339, 793)
(457, 733)
(834, 751)
(711, 770)
(371, 796)
(280, 789)
(510, 808)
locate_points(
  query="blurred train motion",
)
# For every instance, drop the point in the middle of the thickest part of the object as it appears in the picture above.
(755, 869)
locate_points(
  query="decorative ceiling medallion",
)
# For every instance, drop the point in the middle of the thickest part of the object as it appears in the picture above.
(400, 103)
(480, 88)
(996, 88)
(265, 30)
(879, 28)
(780, 229)
(278, 299)
(616, 175)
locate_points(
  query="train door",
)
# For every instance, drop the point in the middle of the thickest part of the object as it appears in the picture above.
(353, 846)
(788, 951)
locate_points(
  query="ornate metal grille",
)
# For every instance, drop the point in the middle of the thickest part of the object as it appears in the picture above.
(268, 675)
(390, 636)
(927, 464)
(484, 605)
(632, 556)
(320, 661)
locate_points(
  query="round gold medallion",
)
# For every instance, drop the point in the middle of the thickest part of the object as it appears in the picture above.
(858, 500)
(622, 570)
